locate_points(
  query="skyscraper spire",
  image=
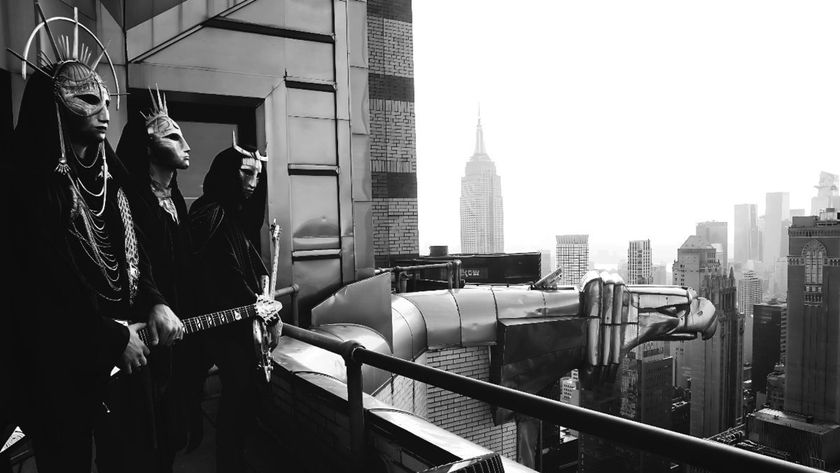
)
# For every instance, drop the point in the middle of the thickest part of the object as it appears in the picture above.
(480, 151)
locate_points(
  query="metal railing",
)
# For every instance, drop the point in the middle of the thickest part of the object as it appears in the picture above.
(401, 273)
(694, 451)
(294, 292)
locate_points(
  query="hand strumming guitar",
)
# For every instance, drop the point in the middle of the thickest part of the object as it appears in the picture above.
(164, 326)
(134, 355)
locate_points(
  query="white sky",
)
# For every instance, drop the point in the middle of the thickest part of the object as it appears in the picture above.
(624, 120)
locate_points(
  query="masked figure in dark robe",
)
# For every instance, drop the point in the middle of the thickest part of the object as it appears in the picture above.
(226, 222)
(77, 262)
(151, 410)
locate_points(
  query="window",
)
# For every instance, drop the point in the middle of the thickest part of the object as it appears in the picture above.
(814, 255)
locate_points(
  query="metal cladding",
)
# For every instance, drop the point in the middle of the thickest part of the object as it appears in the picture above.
(468, 316)
(538, 335)
(366, 302)
(297, 356)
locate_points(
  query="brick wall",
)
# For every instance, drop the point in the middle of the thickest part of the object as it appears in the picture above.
(465, 417)
(405, 393)
(392, 136)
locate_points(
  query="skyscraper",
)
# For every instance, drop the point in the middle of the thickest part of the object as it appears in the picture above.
(827, 193)
(717, 234)
(696, 258)
(639, 265)
(776, 212)
(767, 343)
(482, 214)
(813, 323)
(746, 233)
(716, 365)
(749, 294)
(573, 256)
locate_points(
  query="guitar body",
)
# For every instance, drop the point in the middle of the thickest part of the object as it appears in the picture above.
(262, 348)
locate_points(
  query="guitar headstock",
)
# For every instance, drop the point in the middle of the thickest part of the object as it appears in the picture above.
(268, 309)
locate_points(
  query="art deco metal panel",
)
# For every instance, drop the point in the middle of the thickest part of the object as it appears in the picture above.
(363, 247)
(441, 316)
(345, 183)
(304, 15)
(318, 278)
(308, 60)
(312, 140)
(314, 212)
(478, 316)
(224, 50)
(360, 146)
(359, 102)
(357, 33)
(310, 103)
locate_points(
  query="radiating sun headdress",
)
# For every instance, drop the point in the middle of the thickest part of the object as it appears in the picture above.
(72, 70)
(80, 91)
(158, 122)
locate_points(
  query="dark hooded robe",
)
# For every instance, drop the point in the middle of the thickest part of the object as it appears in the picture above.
(151, 410)
(225, 229)
(64, 337)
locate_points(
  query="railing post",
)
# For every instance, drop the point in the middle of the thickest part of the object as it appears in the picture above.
(450, 270)
(295, 305)
(457, 271)
(355, 404)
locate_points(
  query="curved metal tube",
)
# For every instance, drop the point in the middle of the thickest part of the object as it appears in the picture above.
(596, 326)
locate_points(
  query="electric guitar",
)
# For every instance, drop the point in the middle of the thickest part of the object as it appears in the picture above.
(264, 312)
(262, 338)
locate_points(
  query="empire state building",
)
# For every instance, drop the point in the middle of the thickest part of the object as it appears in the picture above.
(482, 215)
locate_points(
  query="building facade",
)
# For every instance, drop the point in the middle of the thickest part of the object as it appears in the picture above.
(767, 342)
(639, 264)
(813, 324)
(745, 231)
(696, 258)
(572, 253)
(749, 294)
(717, 234)
(715, 366)
(482, 213)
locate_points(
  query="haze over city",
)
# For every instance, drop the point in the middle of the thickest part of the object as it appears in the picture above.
(623, 120)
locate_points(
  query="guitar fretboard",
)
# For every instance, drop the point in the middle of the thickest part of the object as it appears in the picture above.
(206, 321)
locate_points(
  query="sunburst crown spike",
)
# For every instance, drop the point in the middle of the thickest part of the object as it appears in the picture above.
(76, 33)
(49, 33)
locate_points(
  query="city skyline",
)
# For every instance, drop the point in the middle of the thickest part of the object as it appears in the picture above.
(617, 115)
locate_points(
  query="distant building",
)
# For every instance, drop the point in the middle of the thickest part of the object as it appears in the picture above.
(639, 264)
(806, 440)
(776, 212)
(775, 388)
(715, 366)
(696, 258)
(749, 294)
(767, 342)
(813, 325)
(572, 253)
(546, 263)
(482, 213)
(717, 234)
(827, 193)
(746, 234)
(571, 392)
(660, 274)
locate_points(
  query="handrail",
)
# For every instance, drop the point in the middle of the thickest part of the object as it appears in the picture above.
(294, 291)
(692, 450)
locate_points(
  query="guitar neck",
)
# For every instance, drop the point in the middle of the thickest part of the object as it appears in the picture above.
(207, 321)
